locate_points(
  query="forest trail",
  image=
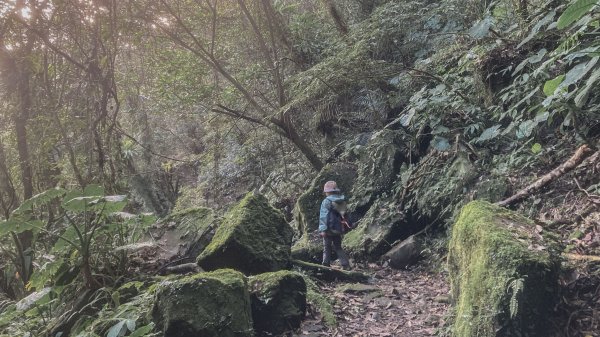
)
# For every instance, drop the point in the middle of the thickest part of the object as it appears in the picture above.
(396, 303)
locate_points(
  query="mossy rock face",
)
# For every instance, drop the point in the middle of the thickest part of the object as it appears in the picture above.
(378, 166)
(323, 304)
(306, 211)
(440, 184)
(181, 234)
(492, 189)
(190, 230)
(204, 305)
(382, 225)
(309, 248)
(503, 274)
(278, 302)
(253, 238)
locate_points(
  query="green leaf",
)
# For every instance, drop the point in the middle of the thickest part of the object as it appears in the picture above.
(526, 128)
(93, 190)
(551, 85)
(40, 199)
(143, 331)
(536, 148)
(130, 324)
(490, 133)
(536, 28)
(117, 330)
(113, 203)
(81, 204)
(440, 143)
(482, 28)
(61, 245)
(574, 12)
(19, 224)
(583, 94)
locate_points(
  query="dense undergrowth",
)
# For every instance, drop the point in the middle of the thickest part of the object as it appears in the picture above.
(495, 92)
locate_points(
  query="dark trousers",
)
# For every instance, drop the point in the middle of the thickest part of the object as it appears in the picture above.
(336, 242)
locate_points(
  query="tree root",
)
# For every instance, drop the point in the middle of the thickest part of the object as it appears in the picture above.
(329, 274)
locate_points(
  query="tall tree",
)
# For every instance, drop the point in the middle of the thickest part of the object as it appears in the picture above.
(184, 25)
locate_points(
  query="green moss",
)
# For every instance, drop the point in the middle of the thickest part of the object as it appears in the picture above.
(323, 304)
(377, 229)
(253, 238)
(278, 302)
(357, 288)
(308, 248)
(578, 234)
(502, 274)
(206, 304)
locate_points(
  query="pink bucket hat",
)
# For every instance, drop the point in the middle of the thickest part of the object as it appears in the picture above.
(331, 186)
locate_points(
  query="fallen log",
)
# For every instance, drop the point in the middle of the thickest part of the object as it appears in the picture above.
(329, 274)
(577, 257)
(580, 155)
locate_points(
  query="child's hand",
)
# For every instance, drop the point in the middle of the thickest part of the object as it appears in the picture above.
(323, 234)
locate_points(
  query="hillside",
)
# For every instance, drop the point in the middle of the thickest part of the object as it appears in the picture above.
(163, 163)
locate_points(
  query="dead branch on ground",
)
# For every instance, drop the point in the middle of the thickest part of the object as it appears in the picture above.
(580, 155)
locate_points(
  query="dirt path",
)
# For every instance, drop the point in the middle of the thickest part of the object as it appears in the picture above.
(396, 304)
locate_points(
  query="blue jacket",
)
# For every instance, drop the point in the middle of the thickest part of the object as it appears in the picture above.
(326, 208)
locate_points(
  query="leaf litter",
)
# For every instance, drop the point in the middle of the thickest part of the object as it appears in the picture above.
(397, 303)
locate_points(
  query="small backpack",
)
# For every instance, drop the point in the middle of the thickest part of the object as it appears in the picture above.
(337, 219)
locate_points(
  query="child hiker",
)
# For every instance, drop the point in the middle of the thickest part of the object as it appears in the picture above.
(333, 224)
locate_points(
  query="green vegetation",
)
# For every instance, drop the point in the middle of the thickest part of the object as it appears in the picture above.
(115, 113)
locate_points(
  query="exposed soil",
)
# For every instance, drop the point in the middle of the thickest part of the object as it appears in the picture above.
(396, 304)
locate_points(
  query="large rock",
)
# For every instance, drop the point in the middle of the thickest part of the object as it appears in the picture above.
(404, 254)
(204, 305)
(383, 224)
(378, 166)
(179, 237)
(253, 238)
(503, 273)
(439, 186)
(309, 248)
(278, 302)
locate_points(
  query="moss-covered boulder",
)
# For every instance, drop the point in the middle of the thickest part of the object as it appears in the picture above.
(378, 166)
(309, 248)
(204, 305)
(439, 186)
(383, 224)
(503, 273)
(253, 238)
(278, 302)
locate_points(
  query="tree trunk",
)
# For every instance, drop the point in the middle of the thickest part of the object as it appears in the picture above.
(20, 119)
(8, 195)
(290, 132)
(337, 17)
